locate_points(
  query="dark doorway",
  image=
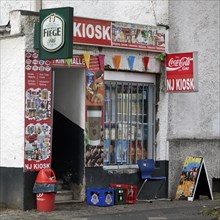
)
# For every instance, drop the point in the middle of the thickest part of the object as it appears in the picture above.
(68, 126)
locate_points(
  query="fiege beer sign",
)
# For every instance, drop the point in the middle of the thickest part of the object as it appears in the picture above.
(181, 72)
(52, 32)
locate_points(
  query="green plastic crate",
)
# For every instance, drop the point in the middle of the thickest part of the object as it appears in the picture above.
(120, 196)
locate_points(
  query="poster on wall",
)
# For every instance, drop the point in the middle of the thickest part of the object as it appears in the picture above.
(194, 180)
(38, 112)
(94, 155)
(137, 36)
(105, 33)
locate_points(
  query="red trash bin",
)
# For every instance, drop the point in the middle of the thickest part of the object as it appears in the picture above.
(45, 200)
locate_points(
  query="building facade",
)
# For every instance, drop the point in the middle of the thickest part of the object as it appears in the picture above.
(167, 134)
(193, 119)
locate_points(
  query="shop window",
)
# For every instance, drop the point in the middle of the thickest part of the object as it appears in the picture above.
(128, 122)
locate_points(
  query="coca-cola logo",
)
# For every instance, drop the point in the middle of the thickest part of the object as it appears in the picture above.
(183, 63)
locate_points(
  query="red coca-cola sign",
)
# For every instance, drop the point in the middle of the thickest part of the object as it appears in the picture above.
(181, 72)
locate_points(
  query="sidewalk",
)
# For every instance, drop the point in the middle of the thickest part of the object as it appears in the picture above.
(157, 210)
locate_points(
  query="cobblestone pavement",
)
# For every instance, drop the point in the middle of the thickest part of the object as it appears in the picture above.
(157, 210)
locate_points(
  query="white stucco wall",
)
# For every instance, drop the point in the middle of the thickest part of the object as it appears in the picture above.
(194, 118)
(141, 12)
(7, 6)
(12, 73)
(162, 147)
(196, 115)
(69, 94)
(146, 12)
(12, 102)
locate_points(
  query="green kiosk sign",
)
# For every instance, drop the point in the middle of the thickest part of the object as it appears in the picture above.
(55, 33)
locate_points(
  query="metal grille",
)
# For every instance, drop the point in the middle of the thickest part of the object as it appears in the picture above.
(128, 122)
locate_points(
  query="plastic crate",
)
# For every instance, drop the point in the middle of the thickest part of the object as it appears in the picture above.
(100, 196)
(120, 196)
(131, 192)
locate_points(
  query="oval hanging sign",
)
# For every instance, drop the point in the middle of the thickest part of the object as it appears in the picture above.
(52, 32)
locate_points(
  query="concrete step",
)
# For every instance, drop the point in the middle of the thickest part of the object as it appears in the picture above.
(67, 201)
(64, 195)
(59, 184)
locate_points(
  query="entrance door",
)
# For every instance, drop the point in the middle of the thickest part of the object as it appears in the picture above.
(68, 126)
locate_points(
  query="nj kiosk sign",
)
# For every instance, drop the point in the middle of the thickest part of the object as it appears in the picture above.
(56, 31)
(181, 72)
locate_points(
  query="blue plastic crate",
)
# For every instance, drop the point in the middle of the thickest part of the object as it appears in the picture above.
(100, 196)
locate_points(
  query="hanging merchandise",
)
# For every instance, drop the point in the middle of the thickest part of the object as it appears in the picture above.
(131, 62)
(101, 61)
(145, 61)
(87, 59)
(117, 61)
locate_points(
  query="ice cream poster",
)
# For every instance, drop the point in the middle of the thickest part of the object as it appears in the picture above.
(188, 177)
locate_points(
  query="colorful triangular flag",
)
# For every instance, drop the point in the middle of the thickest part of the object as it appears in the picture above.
(87, 59)
(131, 62)
(117, 61)
(145, 61)
(101, 61)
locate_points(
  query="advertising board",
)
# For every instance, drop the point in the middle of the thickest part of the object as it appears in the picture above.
(182, 72)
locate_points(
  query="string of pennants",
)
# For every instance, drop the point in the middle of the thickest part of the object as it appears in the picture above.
(116, 61)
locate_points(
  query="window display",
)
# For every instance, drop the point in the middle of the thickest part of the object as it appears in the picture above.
(128, 122)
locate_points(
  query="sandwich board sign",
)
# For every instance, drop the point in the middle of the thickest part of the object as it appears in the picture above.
(194, 180)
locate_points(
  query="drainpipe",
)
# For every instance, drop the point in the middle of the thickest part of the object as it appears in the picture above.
(36, 5)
